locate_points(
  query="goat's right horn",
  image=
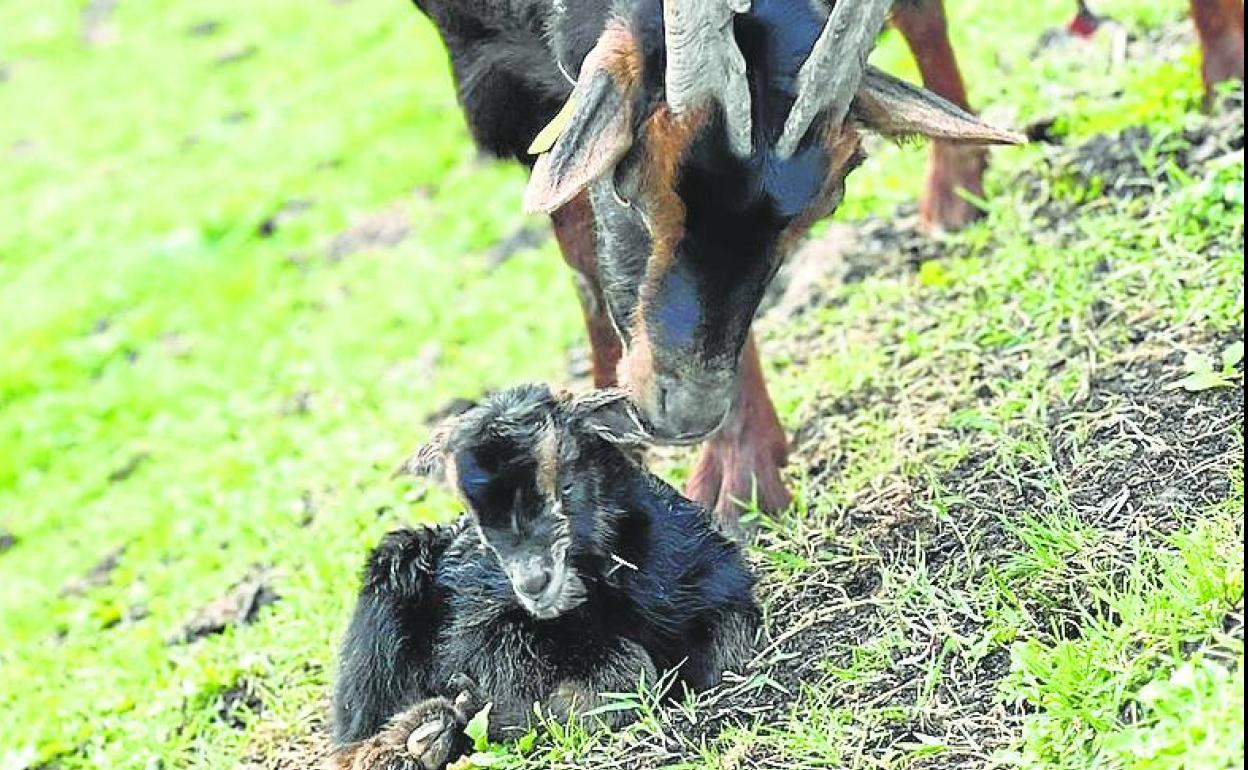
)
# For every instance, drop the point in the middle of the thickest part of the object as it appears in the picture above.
(831, 74)
(704, 63)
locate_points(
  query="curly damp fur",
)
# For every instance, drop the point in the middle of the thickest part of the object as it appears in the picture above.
(650, 584)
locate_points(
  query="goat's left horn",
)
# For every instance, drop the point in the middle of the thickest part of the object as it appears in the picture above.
(704, 63)
(830, 76)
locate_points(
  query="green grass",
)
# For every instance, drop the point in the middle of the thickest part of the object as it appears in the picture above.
(1130, 654)
(175, 384)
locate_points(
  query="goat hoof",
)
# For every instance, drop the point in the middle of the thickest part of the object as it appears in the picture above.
(729, 476)
(952, 168)
(467, 702)
(433, 742)
(427, 736)
(1224, 60)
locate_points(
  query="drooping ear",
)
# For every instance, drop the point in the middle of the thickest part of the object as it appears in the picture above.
(597, 132)
(610, 415)
(430, 460)
(895, 108)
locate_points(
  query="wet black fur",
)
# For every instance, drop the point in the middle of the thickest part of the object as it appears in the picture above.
(437, 611)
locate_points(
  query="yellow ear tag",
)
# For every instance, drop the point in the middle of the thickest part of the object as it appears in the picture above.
(546, 138)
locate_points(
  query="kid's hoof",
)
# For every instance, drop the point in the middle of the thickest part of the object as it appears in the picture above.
(427, 736)
(432, 744)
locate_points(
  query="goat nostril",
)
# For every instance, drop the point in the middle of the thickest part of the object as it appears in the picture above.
(535, 582)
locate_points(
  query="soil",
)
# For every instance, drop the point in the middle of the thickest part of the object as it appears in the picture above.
(518, 241)
(287, 213)
(303, 749)
(99, 574)
(127, 468)
(236, 702)
(1156, 455)
(383, 229)
(239, 606)
(1161, 455)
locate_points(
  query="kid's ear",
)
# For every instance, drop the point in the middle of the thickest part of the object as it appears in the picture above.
(610, 415)
(430, 460)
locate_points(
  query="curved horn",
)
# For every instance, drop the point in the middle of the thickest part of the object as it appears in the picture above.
(830, 76)
(704, 63)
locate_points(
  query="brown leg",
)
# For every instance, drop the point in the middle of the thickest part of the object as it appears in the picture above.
(745, 457)
(574, 230)
(1085, 22)
(950, 166)
(1220, 27)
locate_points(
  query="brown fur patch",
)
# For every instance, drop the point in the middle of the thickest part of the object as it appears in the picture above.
(667, 137)
(1220, 29)
(617, 53)
(926, 31)
(574, 230)
(547, 455)
(602, 135)
(636, 370)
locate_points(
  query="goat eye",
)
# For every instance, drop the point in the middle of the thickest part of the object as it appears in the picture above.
(625, 185)
(618, 195)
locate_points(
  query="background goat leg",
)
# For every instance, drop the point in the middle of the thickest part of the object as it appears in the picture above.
(950, 166)
(574, 230)
(1220, 27)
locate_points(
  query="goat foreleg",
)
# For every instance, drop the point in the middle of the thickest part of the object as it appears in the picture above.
(427, 736)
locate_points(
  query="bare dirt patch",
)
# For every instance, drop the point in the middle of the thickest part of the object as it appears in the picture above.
(302, 748)
(1142, 455)
(99, 574)
(239, 606)
(288, 212)
(128, 468)
(382, 230)
(237, 702)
